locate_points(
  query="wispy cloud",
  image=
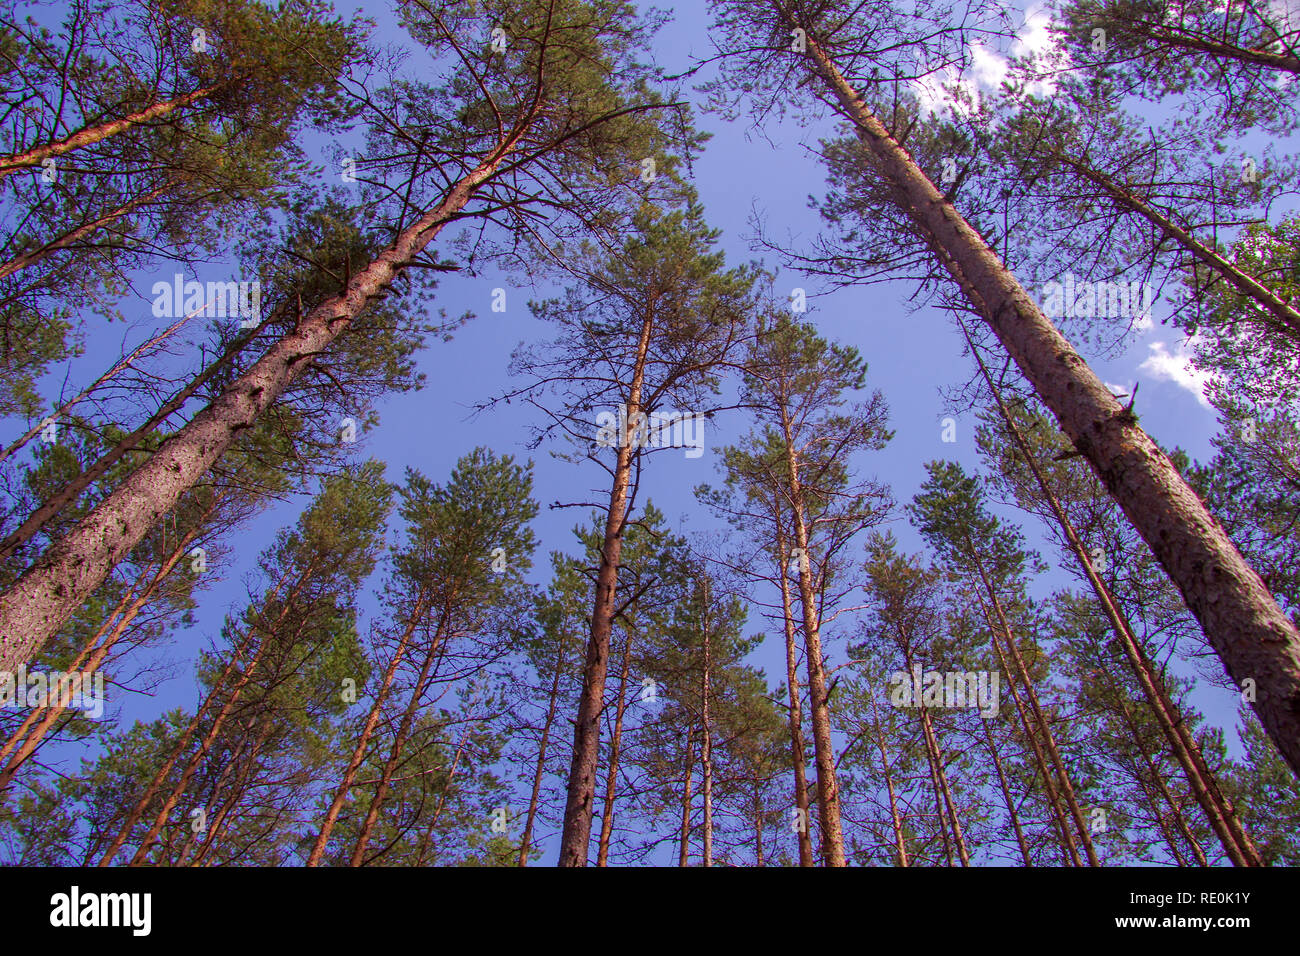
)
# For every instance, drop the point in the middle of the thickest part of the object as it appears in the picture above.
(1176, 366)
(989, 66)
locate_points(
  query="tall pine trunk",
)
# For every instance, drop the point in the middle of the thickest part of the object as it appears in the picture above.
(581, 797)
(363, 739)
(615, 750)
(797, 745)
(399, 740)
(197, 758)
(684, 839)
(1069, 848)
(828, 796)
(1175, 809)
(525, 842)
(88, 660)
(35, 606)
(706, 739)
(900, 845)
(948, 808)
(1040, 717)
(1218, 809)
(70, 490)
(1006, 794)
(1242, 620)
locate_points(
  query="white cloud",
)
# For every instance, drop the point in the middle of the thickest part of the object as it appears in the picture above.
(1176, 367)
(931, 94)
(1033, 35)
(989, 67)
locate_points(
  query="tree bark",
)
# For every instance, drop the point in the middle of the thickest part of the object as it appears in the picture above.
(399, 740)
(69, 492)
(1006, 795)
(196, 759)
(90, 658)
(1049, 739)
(1283, 62)
(1069, 849)
(1158, 779)
(706, 739)
(935, 754)
(899, 843)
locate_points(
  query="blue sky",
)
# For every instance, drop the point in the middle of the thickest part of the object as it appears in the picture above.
(912, 355)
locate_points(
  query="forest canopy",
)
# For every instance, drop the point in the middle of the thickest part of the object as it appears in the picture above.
(517, 432)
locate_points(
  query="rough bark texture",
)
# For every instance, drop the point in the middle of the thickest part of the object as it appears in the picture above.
(1241, 619)
(73, 488)
(36, 605)
(88, 660)
(1283, 62)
